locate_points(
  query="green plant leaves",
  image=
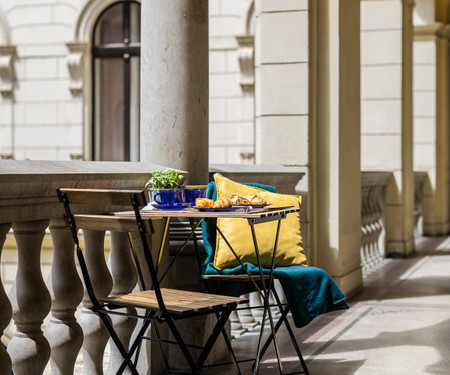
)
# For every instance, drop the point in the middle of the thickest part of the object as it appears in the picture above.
(168, 179)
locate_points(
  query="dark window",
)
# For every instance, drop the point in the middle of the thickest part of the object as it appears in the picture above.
(116, 64)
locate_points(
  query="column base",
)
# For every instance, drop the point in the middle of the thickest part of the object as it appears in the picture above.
(351, 283)
(400, 248)
(436, 229)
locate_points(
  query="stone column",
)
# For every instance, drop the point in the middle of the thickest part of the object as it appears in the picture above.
(30, 300)
(386, 111)
(335, 178)
(174, 86)
(431, 117)
(5, 311)
(63, 332)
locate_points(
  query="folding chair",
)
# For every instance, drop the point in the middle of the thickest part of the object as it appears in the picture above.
(238, 284)
(162, 305)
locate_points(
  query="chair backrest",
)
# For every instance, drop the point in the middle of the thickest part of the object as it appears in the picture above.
(135, 199)
(103, 197)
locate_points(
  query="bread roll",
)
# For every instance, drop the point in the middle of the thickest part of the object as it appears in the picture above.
(204, 202)
(254, 199)
(222, 203)
(236, 199)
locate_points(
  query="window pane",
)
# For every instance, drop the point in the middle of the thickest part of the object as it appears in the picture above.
(134, 109)
(114, 135)
(135, 22)
(110, 26)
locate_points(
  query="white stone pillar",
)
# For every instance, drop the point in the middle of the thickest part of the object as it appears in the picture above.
(386, 111)
(63, 332)
(30, 300)
(174, 86)
(5, 310)
(431, 121)
(335, 179)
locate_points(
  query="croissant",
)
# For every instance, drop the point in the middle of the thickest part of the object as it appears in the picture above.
(204, 202)
(254, 199)
(222, 203)
(236, 199)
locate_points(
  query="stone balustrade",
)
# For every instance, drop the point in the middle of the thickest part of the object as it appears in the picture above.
(419, 180)
(29, 209)
(29, 206)
(373, 187)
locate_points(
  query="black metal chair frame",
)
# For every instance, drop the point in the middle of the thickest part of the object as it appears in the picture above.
(162, 315)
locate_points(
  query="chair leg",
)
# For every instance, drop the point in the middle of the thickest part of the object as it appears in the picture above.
(127, 360)
(213, 337)
(230, 349)
(163, 355)
(182, 345)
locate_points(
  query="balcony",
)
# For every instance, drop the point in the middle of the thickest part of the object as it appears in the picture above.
(30, 213)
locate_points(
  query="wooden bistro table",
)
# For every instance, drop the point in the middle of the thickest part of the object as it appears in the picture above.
(254, 217)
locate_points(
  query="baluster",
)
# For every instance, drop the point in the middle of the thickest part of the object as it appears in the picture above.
(245, 315)
(257, 313)
(63, 332)
(95, 335)
(124, 277)
(237, 329)
(30, 300)
(5, 310)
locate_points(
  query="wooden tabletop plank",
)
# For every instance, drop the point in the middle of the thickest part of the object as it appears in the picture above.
(191, 212)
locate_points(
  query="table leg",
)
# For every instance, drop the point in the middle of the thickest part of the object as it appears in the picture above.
(266, 291)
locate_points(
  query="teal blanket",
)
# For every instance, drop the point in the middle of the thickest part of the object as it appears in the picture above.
(309, 291)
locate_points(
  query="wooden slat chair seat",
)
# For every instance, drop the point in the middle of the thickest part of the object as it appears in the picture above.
(162, 305)
(179, 302)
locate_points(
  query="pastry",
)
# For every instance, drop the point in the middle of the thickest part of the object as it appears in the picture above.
(222, 203)
(204, 202)
(236, 199)
(254, 199)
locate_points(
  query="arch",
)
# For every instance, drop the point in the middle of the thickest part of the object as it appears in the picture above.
(5, 34)
(249, 26)
(88, 16)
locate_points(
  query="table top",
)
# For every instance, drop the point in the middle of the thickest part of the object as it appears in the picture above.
(192, 212)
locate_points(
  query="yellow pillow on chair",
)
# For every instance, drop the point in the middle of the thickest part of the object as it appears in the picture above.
(239, 235)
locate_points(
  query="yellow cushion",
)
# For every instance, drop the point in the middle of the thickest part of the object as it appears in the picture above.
(238, 232)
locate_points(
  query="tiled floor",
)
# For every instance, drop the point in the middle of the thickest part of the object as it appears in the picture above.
(398, 325)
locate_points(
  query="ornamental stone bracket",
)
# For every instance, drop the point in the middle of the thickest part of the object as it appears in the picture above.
(7, 54)
(75, 63)
(246, 53)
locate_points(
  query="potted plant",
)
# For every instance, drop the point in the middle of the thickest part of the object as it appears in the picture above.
(168, 179)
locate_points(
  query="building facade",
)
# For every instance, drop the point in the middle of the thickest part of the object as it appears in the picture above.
(333, 88)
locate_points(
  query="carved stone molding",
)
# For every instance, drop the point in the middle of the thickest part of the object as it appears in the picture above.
(246, 53)
(7, 54)
(75, 63)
